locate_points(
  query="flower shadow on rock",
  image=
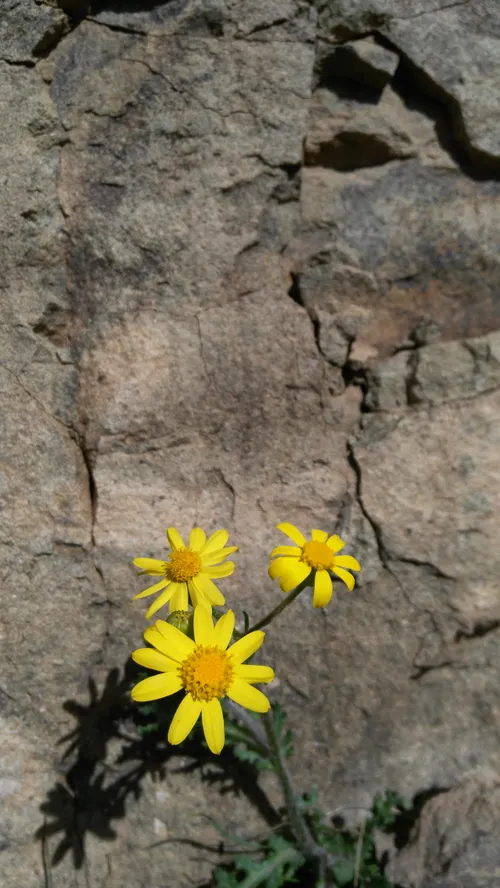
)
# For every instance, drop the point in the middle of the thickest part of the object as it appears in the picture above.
(93, 790)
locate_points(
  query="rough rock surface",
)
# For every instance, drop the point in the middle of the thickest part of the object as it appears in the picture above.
(450, 47)
(250, 274)
(455, 843)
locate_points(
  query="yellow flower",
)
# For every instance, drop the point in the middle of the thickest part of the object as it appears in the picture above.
(205, 669)
(319, 554)
(189, 569)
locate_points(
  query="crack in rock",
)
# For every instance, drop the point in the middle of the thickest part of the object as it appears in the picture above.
(479, 630)
(383, 553)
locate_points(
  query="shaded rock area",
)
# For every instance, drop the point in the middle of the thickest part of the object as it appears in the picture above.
(250, 274)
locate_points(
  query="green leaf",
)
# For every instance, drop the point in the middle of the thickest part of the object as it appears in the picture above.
(344, 872)
(386, 808)
(245, 746)
(277, 867)
(223, 879)
(281, 729)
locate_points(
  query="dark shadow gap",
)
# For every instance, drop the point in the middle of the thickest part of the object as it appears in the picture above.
(406, 820)
(420, 93)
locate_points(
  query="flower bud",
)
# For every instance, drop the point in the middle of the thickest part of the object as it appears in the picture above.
(182, 620)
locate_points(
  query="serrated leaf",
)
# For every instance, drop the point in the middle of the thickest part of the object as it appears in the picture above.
(281, 729)
(246, 747)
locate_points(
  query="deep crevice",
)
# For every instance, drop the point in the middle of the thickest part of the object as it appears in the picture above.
(351, 150)
(295, 294)
(406, 820)
(328, 75)
(291, 169)
(87, 459)
(411, 381)
(78, 10)
(18, 63)
(419, 92)
(355, 373)
(479, 630)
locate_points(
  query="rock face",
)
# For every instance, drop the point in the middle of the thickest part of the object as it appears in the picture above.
(455, 843)
(250, 274)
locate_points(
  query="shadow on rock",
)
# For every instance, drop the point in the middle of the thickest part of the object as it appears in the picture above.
(80, 9)
(113, 747)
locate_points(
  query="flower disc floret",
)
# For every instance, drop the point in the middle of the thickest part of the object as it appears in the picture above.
(188, 571)
(293, 565)
(318, 555)
(207, 673)
(207, 669)
(183, 566)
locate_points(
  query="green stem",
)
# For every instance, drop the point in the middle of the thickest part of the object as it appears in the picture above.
(301, 831)
(280, 607)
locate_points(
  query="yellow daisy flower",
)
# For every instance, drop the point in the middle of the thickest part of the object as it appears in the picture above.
(294, 563)
(188, 571)
(206, 669)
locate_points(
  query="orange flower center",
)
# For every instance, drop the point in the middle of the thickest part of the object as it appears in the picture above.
(183, 565)
(207, 673)
(318, 555)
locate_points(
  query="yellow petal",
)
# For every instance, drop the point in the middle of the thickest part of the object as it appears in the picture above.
(281, 567)
(322, 588)
(179, 600)
(162, 599)
(320, 535)
(153, 660)
(213, 725)
(294, 578)
(156, 686)
(292, 532)
(179, 645)
(290, 551)
(197, 599)
(213, 557)
(184, 720)
(207, 589)
(347, 561)
(255, 674)
(345, 576)
(335, 543)
(221, 570)
(152, 589)
(151, 566)
(175, 539)
(244, 648)
(223, 630)
(197, 539)
(152, 636)
(248, 696)
(203, 626)
(217, 541)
